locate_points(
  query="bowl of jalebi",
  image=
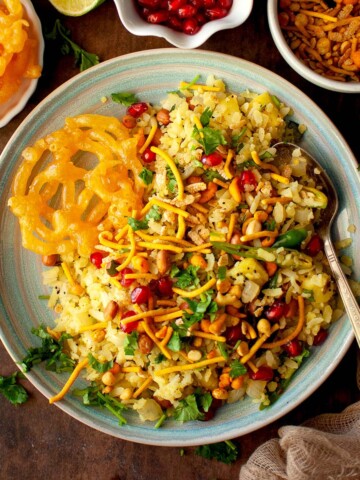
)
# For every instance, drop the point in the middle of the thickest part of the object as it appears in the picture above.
(21, 56)
(162, 279)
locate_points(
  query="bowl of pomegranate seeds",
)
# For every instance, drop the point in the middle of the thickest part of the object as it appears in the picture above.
(183, 23)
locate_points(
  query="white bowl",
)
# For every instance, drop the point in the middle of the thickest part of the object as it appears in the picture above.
(132, 21)
(17, 102)
(298, 65)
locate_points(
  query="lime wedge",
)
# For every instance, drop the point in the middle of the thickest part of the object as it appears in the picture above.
(75, 8)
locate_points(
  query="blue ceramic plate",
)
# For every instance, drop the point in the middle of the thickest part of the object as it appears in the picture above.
(151, 74)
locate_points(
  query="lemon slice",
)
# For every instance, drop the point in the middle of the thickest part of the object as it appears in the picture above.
(75, 8)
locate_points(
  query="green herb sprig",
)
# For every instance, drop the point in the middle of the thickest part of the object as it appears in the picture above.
(83, 59)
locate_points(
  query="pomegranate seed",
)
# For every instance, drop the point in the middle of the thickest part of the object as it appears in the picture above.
(291, 308)
(187, 11)
(140, 295)
(160, 16)
(293, 348)
(174, 5)
(148, 156)
(175, 23)
(131, 326)
(320, 337)
(190, 26)
(225, 4)
(150, 3)
(165, 287)
(233, 334)
(126, 282)
(247, 181)
(137, 109)
(263, 373)
(314, 246)
(96, 258)
(162, 287)
(212, 159)
(216, 13)
(195, 12)
(275, 311)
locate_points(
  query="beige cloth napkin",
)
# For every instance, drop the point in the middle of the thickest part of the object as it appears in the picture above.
(326, 447)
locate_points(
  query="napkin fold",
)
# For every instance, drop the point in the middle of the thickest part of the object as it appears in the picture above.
(326, 447)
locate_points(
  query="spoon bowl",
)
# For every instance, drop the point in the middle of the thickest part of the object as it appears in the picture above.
(284, 155)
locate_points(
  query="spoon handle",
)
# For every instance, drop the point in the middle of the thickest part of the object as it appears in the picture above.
(350, 302)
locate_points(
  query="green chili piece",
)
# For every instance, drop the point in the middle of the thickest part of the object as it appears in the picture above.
(291, 238)
(314, 199)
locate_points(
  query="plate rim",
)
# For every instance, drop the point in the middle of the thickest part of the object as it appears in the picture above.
(65, 406)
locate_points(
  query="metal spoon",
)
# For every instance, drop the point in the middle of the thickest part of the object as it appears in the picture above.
(323, 228)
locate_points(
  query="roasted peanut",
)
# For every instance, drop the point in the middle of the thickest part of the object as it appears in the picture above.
(220, 394)
(194, 355)
(108, 379)
(145, 343)
(50, 260)
(163, 116)
(198, 260)
(126, 394)
(140, 264)
(111, 311)
(242, 349)
(98, 335)
(163, 261)
(128, 121)
(223, 286)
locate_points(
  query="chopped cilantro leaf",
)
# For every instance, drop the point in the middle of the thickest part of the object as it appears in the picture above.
(292, 133)
(174, 343)
(15, 393)
(92, 396)
(99, 366)
(225, 452)
(154, 213)
(160, 358)
(193, 406)
(205, 117)
(130, 343)
(50, 350)
(222, 273)
(270, 225)
(172, 183)
(236, 140)
(209, 138)
(245, 165)
(223, 350)
(210, 174)
(237, 369)
(137, 224)
(146, 176)
(124, 98)
(187, 277)
(83, 58)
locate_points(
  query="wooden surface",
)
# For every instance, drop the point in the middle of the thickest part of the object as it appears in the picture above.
(38, 441)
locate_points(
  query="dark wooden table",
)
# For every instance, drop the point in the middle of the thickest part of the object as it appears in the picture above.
(38, 441)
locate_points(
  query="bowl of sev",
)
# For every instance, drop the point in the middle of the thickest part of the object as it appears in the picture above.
(21, 56)
(321, 41)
